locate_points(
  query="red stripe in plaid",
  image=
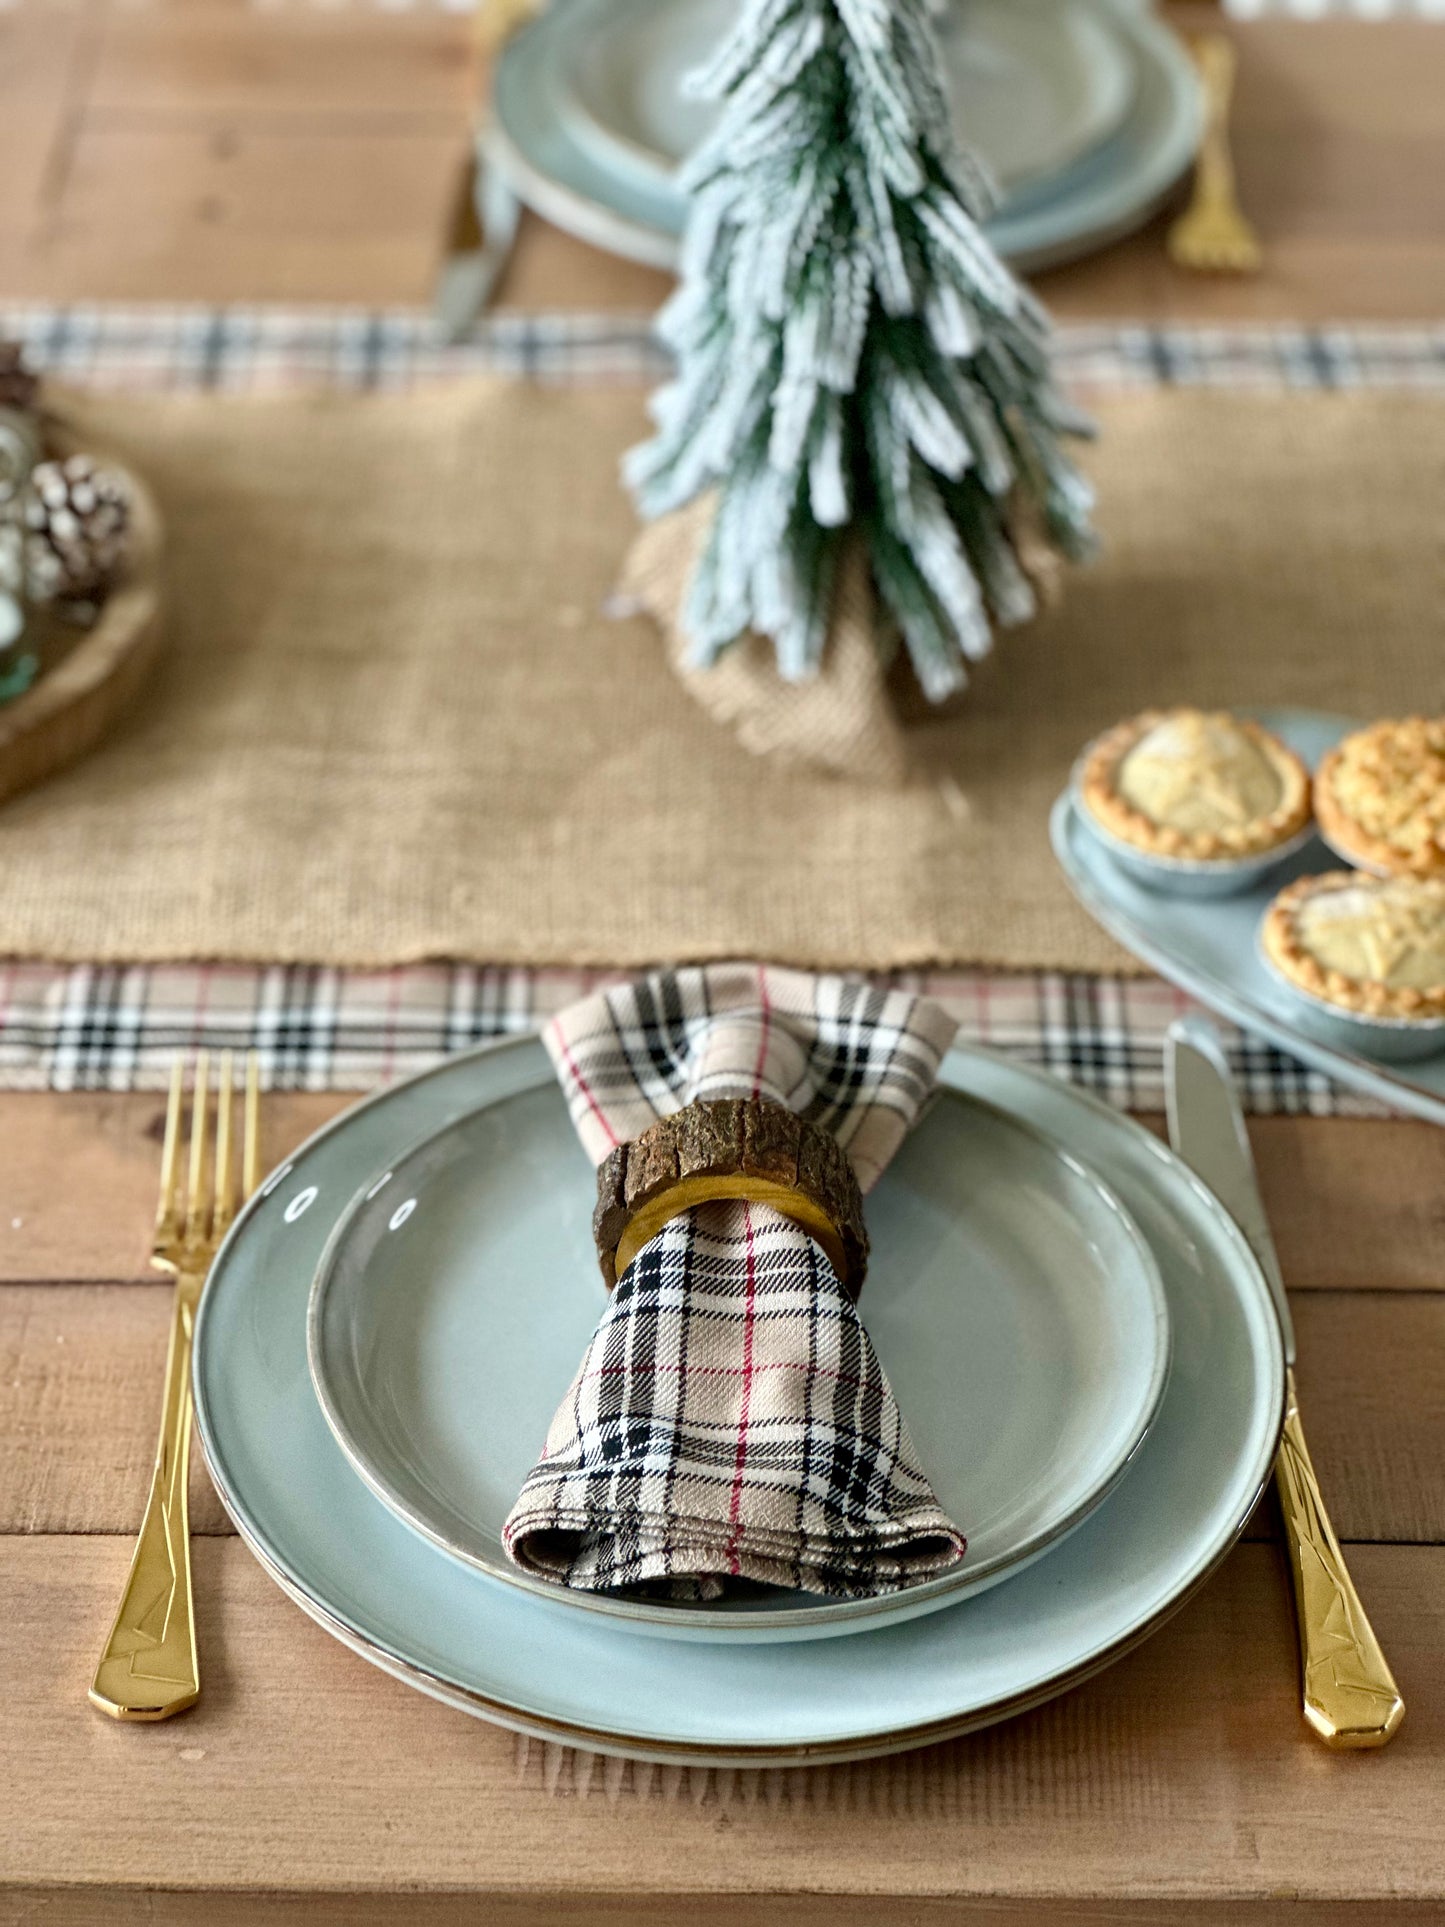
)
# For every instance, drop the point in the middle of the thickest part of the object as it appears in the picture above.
(735, 1504)
(731, 1420)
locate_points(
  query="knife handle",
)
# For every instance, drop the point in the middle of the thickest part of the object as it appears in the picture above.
(1350, 1695)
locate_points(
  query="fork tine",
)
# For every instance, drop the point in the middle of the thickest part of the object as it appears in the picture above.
(167, 1215)
(251, 1146)
(225, 1208)
(198, 1188)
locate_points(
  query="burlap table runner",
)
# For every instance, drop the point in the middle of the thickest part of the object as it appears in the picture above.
(392, 721)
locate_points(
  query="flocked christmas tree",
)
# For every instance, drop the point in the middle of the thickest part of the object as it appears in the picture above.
(853, 360)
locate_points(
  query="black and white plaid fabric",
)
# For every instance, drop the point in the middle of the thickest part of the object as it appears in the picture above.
(856, 1058)
(730, 1420)
(70, 1027)
(239, 349)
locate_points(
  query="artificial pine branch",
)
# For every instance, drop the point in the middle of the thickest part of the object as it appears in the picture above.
(852, 356)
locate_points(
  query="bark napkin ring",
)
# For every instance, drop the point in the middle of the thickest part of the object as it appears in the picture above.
(752, 1150)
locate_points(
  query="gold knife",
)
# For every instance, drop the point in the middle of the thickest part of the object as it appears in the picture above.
(1350, 1695)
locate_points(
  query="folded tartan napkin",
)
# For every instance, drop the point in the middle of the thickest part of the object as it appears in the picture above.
(730, 1419)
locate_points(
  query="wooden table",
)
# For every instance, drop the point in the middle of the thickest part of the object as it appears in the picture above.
(306, 1785)
(228, 151)
(222, 152)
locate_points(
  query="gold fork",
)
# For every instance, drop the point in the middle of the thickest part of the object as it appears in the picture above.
(148, 1669)
(1212, 235)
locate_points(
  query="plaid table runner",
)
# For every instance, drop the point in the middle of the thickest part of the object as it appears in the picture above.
(70, 1028)
(249, 348)
(114, 1029)
(730, 1419)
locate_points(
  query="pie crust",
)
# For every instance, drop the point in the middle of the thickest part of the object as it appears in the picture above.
(1372, 945)
(1380, 795)
(1195, 784)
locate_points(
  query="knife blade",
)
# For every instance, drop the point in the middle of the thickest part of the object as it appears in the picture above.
(1206, 1128)
(481, 228)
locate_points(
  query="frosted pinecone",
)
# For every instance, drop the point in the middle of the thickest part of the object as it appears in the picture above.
(77, 523)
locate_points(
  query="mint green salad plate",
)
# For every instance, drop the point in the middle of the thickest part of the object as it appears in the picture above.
(1015, 1306)
(535, 1665)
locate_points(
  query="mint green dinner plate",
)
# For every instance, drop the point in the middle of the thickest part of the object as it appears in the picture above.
(535, 1664)
(1013, 1302)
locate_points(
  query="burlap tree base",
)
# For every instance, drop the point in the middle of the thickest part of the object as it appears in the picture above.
(852, 717)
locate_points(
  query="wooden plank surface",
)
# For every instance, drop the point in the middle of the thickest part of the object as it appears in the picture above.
(1179, 1785)
(251, 206)
(152, 1907)
(1183, 1772)
(226, 151)
(80, 1375)
(214, 61)
(1331, 1229)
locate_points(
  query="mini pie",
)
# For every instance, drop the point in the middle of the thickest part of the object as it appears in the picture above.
(1372, 945)
(1198, 784)
(1380, 795)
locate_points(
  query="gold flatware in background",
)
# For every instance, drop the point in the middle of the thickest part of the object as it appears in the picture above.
(1349, 1693)
(1212, 236)
(148, 1670)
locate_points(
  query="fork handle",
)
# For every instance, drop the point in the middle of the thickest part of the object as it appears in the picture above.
(1216, 59)
(148, 1669)
(1350, 1695)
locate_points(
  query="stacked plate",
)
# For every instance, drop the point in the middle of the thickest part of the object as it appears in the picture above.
(1087, 110)
(1082, 1344)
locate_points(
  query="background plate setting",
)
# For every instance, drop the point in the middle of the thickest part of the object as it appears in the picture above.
(536, 140)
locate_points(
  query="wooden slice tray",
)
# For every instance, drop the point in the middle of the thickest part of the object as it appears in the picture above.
(88, 676)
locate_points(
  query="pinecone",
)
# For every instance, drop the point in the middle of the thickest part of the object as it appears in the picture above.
(19, 452)
(77, 521)
(18, 386)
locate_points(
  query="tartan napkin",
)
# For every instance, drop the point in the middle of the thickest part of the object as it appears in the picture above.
(730, 1419)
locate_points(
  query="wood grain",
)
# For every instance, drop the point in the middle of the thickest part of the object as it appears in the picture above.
(226, 62)
(42, 63)
(1184, 1773)
(154, 1907)
(248, 209)
(1353, 1202)
(80, 1377)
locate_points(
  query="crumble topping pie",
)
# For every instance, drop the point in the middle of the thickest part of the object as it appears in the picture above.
(1373, 945)
(1196, 784)
(1380, 795)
